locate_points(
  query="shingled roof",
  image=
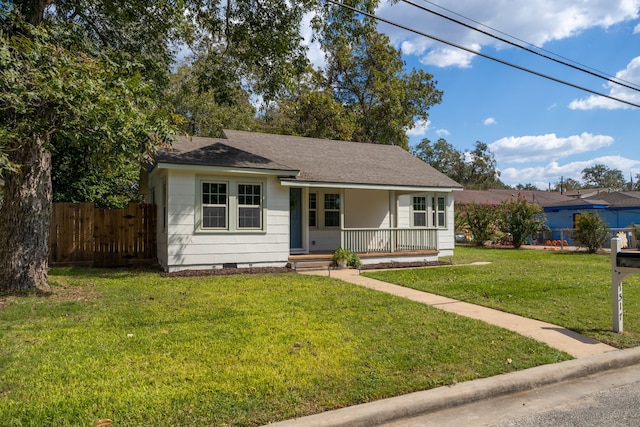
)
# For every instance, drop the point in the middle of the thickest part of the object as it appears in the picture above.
(308, 160)
(497, 196)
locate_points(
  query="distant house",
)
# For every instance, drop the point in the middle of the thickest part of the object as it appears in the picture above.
(617, 208)
(252, 199)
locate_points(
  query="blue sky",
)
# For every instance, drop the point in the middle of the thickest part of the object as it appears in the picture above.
(538, 130)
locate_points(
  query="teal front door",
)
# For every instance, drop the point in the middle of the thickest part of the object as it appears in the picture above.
(295, 218)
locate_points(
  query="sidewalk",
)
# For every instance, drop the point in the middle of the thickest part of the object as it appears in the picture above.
(555, 336)
(591, 356)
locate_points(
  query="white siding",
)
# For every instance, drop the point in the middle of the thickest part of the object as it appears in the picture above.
(404, 211)
(446, 236)
(366, 209)
(191, 248)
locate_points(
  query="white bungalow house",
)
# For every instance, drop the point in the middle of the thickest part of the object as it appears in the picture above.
(253, 199)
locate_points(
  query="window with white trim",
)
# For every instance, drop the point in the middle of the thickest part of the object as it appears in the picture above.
(313, 209)
(249, 206)
(419, 211)
(215, 205)
(439, 212)
(332, 210)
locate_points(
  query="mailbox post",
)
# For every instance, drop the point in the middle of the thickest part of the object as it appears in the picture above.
(622, 264)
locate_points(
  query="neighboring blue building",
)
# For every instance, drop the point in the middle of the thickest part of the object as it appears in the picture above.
(619, 209)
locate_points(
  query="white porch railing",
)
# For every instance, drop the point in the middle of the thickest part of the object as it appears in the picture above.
(386, 240)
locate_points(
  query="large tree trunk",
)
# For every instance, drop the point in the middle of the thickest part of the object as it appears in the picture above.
(25, 216)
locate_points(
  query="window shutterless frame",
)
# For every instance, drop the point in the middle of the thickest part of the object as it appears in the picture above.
(249, 206)
(214, 199)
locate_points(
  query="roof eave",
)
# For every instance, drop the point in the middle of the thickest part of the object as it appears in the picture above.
(226, 169)
(288, 182)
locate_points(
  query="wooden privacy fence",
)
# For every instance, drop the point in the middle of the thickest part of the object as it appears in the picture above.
(82, 234)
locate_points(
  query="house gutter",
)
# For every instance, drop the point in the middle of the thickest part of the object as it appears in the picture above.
(286, 182)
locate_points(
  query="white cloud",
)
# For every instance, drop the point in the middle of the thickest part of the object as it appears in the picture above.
(544, 148)
(542, 176)
(314, 53)
(631, 74)
(536, 21)
(636, 29)
(448, 57)
(419, 128)
(443, 132)
(489, 121)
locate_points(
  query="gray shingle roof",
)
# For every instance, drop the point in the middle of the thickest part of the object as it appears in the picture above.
(496, 196)
(617, 199)
(317, 160)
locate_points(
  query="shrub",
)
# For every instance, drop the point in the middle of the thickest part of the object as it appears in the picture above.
(591, 231)
(351, 259)
(481, 221)
(520, 219)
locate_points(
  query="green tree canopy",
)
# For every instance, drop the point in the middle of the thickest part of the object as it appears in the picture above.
(591, 231)
(476, 169)
(601, 176)
(366, 74)
(89, 78)
(520, 219)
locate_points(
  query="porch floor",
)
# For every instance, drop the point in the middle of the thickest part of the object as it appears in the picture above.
(321, 260)
(319, 255)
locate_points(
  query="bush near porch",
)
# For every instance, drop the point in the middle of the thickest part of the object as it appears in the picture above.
(140, 349)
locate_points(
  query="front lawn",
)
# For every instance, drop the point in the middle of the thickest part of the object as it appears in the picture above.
(570, 289)
(140, 349)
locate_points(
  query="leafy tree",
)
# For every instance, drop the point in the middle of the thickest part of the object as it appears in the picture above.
(77, 177)
(198, 111)
(443, 157)
(481, 220)
(520, 219)
(91, 76)
(568, 184)
(476, 169)
(58, 85)
(591, 231)
(525, 187)
(310, 110)
(482, 172)
(366, 75)
(601, 176)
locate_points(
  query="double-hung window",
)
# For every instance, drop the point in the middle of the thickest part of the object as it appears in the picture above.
(332, 210)
(439, 212)
(419, 211)
(249, 206)
(215, 202)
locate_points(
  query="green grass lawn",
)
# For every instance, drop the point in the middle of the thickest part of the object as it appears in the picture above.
(570, 289)
(144, 350)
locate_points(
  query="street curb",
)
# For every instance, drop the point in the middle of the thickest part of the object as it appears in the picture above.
(423, 402)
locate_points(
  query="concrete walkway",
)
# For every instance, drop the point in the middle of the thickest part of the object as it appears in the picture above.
(555, 336)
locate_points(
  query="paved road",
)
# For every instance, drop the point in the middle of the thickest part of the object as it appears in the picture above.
(610, 398)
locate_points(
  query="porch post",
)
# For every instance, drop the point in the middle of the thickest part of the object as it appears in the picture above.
(342, 218)
(392, 220)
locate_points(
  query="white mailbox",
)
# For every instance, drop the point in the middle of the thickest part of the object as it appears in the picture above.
(623, 263)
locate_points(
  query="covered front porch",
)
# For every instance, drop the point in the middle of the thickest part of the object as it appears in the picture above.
(379, 225)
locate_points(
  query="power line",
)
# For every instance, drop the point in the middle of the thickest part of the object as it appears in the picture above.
(615, 78)
(484, 55)
(595, 73)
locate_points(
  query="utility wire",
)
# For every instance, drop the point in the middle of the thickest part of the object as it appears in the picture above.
(595, 73)
(484, 55)
(616, 79)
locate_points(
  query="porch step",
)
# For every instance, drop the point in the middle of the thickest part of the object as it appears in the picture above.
(310, 265)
